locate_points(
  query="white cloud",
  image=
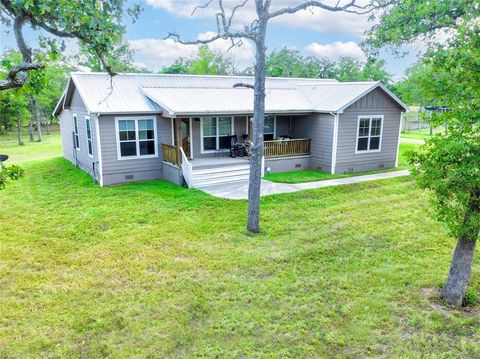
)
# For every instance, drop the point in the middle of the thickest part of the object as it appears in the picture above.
(315, 19)
(336, 50)
(156, 53)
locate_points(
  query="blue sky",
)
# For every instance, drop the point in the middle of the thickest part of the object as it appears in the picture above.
(318, 33)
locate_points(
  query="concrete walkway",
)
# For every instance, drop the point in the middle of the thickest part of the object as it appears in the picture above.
(239, 190)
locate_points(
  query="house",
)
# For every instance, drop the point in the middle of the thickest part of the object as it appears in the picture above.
(135, 127)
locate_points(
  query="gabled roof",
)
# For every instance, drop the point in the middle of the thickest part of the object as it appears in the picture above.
(196, 95)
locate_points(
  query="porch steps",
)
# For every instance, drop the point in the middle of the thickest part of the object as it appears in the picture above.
(207, 175)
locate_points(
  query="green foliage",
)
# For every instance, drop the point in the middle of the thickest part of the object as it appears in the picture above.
(8, 173)
(207, 62)
(291, 63)
(408, 20)
(448, 165)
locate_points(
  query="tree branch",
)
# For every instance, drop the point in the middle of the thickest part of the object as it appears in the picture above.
(243, 84)
(18, 75)
(348, 7)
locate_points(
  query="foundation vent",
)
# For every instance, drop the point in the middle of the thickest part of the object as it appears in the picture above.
(298, 165)
(129, 177)
(381, 166)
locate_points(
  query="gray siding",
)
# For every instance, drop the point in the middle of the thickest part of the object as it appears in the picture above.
(128, 170)
(376, 102)
(319, 128)
(79, 157)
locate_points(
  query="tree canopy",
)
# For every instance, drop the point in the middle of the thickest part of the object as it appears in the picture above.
(97, 25)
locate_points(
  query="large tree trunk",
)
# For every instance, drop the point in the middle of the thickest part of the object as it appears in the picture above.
(461, 267)
(258, 123)
(19, 131)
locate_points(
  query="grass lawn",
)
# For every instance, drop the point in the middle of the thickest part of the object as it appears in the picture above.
(155, 270)
(50, 147)
(422, 134)
(310, 176)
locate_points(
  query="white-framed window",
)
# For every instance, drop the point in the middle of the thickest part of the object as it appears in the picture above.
(88, 129)
(269, 128)
(216, 132)
(136, 137)
(369, 134)
(76, 138)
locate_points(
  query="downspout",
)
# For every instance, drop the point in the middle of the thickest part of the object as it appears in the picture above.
(335, 141)
(99, 150)
(398, 138)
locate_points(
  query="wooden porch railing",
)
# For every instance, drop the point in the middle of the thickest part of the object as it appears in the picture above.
(170, 154)
(286, 148)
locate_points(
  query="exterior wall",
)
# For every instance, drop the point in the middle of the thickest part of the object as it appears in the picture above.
(239, 129)
(300, 163)
(116, 170)
(319, 128)
(376, 102)
(283, 126)
(79, 157)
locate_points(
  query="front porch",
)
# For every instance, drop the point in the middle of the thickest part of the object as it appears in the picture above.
(204, 154)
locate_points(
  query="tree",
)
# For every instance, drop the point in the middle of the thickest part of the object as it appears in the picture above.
(206, 62)
(95, 24)
(256, 32)
(448, 164)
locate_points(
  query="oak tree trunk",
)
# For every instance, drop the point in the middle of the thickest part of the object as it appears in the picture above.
(19, 132)
(30, 130)
(254, 185)
(461, 267)
(36, 115)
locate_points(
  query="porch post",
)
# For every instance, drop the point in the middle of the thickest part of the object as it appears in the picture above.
(178, 139)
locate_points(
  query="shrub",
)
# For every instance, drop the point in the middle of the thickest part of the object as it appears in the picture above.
(10, 173)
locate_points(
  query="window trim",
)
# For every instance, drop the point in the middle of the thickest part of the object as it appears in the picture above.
(76, 143)
(137, 140)
(369, 117)
(217, 136)
(87, 118)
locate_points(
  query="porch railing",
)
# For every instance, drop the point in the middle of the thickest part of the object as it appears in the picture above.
(170, 154)
(286, 148)
(187, 169)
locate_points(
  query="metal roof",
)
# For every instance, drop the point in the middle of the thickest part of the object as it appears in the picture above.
(200, 101)
(199, 94)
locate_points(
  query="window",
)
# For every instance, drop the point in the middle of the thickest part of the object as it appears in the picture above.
(216, 132)
(269, 128)
(369, 134)
(89, 136)
(76, 139)
(136, 137)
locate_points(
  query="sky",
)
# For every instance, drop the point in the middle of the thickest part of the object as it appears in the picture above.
(312, 32)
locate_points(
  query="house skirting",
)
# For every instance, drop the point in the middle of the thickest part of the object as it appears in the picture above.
(287, 164)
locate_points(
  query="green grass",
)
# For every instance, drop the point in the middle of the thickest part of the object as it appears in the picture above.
(421, 134)
(155, 270)
(30, 151)
(310, 176)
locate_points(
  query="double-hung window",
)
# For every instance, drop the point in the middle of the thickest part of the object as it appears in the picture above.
(216, 132)
(136, 137)
(269, 128)
(88, 127)
(76, 138)
(369, 133)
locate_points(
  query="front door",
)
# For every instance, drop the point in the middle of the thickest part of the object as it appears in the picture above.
(186, 137)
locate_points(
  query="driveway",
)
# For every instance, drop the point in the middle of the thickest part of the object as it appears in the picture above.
(239, 190)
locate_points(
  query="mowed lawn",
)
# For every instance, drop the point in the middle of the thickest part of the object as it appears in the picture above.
(155, 270)
(30, 151)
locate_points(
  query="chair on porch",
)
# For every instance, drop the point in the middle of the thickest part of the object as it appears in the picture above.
(237, 149)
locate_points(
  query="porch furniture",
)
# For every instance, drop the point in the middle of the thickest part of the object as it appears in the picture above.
(286, 148)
